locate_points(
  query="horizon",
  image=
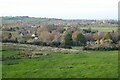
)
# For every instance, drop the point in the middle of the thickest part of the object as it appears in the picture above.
(58, 18)
(61, 9)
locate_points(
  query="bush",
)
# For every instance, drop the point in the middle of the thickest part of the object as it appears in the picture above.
(55, 44)
(100, 48)
(37, 43)
(62, 45)
(68, 47)
(9, 40)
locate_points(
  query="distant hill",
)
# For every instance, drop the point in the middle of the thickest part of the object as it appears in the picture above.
(50, 21)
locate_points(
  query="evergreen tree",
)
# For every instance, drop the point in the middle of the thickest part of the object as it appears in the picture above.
(81, 39)
(68, 38)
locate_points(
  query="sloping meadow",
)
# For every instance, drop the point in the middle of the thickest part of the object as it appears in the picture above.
(30, 61)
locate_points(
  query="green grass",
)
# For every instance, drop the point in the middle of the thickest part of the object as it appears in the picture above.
(102, 29)
(90, 64)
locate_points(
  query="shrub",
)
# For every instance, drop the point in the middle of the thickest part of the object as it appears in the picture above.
(100, 48)
(9, 40)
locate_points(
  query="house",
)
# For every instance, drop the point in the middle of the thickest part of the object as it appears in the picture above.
(36, 38)
(91, 42)
(33, 26)
(33, 35)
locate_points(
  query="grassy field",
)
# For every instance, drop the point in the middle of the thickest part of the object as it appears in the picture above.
(87, 64)
(102, 29)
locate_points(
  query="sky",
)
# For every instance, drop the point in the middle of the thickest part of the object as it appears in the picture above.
(62, 9)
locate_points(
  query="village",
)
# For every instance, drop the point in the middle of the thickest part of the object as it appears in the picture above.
(64, 37)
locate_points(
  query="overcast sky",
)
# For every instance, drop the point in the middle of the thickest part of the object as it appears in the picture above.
(65, 9)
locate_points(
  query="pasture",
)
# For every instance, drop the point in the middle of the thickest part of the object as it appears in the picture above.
(85, 64)
(102, 29)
